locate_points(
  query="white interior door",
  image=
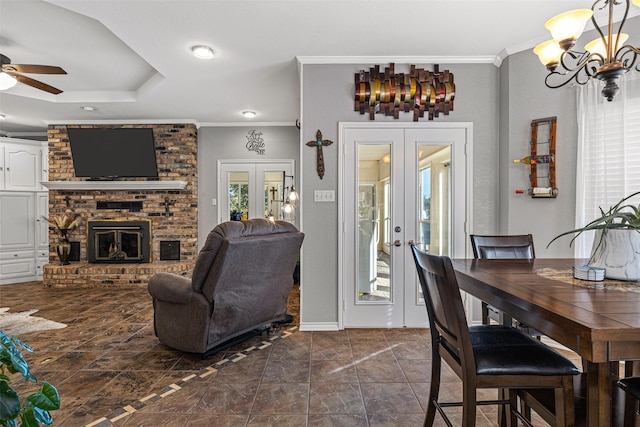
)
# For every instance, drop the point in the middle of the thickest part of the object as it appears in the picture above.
(252, 189)
(398, 185)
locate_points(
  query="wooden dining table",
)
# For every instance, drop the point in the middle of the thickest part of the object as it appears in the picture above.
(600, 321)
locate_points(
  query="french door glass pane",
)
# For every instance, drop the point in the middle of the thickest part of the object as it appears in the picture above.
(374, 263)
(272, 194)
(434, 205)
(238, 195)
(424, 214)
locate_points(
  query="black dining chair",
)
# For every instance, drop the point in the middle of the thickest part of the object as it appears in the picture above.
(485, 356)
(631, 386)
(514, 246)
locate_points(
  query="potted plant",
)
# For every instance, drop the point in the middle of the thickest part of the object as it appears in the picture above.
(34, 411)
(616, 244)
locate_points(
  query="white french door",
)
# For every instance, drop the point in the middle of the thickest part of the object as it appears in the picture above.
(399, 184)
(251, 189)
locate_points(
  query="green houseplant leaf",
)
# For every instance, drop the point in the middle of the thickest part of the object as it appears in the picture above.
(38, 404)
(9, 402)
(46, 398)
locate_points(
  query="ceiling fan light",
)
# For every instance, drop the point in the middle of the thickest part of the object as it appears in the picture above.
(598, 46)
(202, 52)
(549, 53)
(6, 81)
(569, 25)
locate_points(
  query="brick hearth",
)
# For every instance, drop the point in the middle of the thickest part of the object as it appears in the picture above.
(173, 212)
(84, 275)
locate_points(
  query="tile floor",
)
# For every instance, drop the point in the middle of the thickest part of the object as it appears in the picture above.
(110, 369)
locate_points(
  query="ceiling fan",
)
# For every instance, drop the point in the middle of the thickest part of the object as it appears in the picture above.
(13, 70)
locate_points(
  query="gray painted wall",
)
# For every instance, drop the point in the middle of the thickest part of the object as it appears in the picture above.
(216, 143)
(501, 102)
(327, 98)
(525, 97)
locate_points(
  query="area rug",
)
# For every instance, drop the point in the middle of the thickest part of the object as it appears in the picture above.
(18, 323)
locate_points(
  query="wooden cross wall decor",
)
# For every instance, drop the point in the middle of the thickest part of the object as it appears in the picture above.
(319, 143)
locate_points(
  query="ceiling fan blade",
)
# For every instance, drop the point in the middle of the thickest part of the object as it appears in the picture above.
(35, 83)
(34, 69)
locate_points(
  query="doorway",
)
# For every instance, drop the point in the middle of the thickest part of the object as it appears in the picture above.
(400, 183)
(253, 189)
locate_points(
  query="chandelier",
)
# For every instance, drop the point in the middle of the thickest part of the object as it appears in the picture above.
(606, 58)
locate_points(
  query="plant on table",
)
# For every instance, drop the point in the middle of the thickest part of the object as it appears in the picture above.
(34, 410)
(621, 216)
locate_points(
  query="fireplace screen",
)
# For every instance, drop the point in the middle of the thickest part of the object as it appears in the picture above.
(119, 241)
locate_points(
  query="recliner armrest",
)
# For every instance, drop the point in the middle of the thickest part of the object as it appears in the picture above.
(170, 288)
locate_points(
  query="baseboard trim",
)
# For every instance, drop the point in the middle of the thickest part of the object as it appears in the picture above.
(318, 326)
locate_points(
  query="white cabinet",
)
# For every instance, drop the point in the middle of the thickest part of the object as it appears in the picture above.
(24, 235)
(42, 232)
(22, 164)
(17, 236)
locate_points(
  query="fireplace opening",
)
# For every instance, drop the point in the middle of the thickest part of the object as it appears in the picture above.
(117, 241)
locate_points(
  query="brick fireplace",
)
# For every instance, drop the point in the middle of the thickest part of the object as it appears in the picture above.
(171, 211)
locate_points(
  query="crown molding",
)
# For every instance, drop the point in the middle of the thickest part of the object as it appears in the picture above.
(246, 124)
(122, 122)
(481, 59)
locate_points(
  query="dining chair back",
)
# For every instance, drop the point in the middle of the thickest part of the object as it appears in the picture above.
(485, 356)
(631, 386)
(514, 246)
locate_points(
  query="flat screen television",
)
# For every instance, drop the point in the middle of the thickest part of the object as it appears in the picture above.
(105, 153)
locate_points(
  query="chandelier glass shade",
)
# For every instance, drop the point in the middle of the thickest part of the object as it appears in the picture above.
(606, 58)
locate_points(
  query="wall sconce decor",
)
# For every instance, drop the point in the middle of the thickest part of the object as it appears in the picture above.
(288, 203)
(389, 93)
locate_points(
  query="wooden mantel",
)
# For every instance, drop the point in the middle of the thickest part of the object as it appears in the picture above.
(114, 185)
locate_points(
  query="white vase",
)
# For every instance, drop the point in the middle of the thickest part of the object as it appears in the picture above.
(618, 254)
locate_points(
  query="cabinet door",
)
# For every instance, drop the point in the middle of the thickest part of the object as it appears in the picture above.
(17, 221)
(2, 168)
(42, 227)
(23, 169)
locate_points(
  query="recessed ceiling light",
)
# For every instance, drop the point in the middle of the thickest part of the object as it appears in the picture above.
(2, 117)
(88, 108)
(6, 81)
(249, 114)
(202, 52)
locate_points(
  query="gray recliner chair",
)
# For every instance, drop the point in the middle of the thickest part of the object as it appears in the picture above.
(241, 282)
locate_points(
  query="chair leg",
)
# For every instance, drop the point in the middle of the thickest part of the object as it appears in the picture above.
(468, 405)
(434, 391)
(564, 403)
(512, 420)
(485, 313)
(631, 409)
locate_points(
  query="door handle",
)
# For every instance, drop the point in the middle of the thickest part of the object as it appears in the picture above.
(397, 243)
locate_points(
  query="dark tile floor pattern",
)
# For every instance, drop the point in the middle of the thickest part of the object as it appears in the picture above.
(110, 369)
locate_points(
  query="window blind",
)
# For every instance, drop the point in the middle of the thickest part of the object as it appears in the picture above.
(608, 152)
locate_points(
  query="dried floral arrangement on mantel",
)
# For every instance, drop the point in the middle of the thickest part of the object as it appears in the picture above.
(389, 93)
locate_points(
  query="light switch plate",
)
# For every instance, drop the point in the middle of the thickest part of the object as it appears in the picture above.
(324, 196)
